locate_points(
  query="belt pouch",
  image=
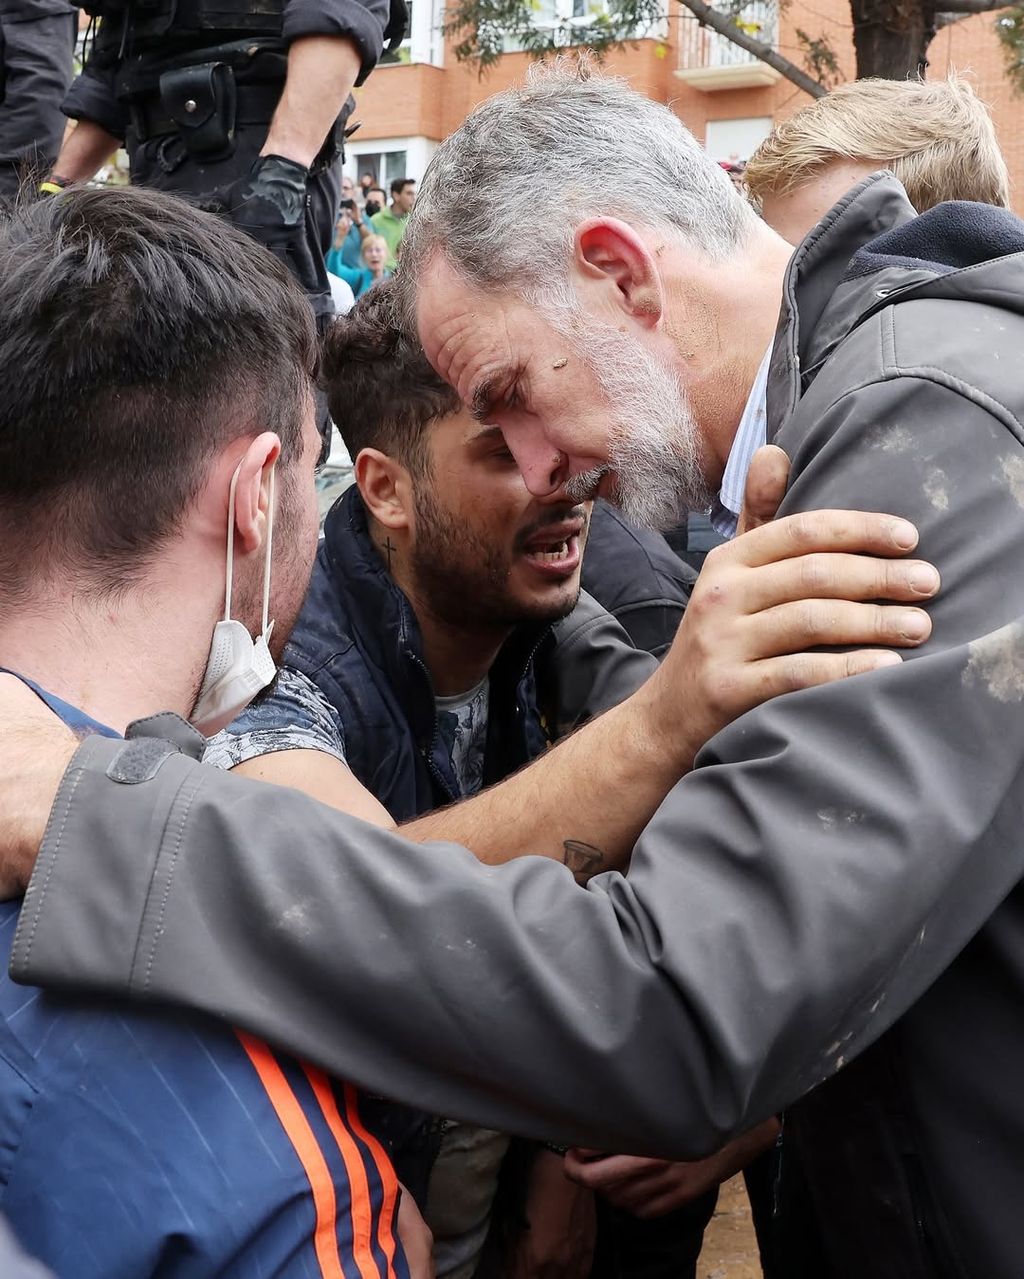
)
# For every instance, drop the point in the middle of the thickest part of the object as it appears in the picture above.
(202, 102)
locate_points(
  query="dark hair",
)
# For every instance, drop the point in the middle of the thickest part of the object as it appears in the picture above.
(381, 390)
(398, 185)
(138, 337)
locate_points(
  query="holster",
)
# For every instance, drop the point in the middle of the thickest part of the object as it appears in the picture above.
(202, 101)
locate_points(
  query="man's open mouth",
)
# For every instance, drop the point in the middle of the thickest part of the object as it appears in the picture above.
(555, 549)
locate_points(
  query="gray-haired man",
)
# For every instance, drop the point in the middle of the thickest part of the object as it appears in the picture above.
(841, 863)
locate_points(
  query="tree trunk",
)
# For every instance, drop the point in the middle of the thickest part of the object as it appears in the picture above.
(891, 37)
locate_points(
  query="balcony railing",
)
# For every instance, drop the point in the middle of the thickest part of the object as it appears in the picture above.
(711, 61)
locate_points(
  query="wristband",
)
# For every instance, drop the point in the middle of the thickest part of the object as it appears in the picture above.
(53, 185)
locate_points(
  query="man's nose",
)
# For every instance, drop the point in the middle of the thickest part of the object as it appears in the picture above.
(543, 467)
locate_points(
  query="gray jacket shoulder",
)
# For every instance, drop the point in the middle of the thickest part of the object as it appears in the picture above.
(588, 666)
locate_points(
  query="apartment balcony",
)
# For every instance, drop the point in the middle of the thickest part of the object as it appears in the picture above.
(710, 62)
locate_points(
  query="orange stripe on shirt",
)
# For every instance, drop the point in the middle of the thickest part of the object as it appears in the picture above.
(300, 1134)
(359, 1186)
(386, 1171)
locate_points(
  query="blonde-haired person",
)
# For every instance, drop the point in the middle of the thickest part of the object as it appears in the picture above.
(375, 256)
(937, 138)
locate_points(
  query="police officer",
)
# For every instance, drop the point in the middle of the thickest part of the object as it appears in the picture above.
(242, 103)
(37, 41)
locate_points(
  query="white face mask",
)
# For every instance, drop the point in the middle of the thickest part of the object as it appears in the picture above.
(238, 666)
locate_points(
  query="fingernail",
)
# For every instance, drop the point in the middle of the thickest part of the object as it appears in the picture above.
(903, 534)
(888, 658)
(914, 626)
(923, 579)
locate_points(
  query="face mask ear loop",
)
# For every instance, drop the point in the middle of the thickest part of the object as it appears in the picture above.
(230, 576)
(272, 502)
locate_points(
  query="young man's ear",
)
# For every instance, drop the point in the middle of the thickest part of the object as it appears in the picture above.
(385, 488)
(252, 490)
(612, 262)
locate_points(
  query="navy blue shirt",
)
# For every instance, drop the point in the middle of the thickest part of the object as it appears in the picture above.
(140, 1143)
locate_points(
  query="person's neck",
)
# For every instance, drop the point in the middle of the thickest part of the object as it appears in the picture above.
(396, 212)
(457, 657)
(117, 659)
(747, 293)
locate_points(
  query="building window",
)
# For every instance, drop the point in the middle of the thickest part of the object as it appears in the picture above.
(388, 159)
(423, 41)
(382, 166)
(736, 140)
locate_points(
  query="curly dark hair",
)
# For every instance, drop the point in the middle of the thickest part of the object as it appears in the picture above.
(381, 390)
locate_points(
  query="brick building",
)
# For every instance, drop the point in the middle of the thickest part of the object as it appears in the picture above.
(726, 97)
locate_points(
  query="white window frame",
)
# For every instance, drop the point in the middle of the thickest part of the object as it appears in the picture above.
(418, 151)
(423, 42)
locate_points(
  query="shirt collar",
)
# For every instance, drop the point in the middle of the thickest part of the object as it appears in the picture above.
(751, 433)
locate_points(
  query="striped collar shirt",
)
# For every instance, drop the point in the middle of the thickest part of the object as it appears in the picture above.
(751, 433)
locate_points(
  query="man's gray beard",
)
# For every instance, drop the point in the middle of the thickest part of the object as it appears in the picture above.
(654, 449)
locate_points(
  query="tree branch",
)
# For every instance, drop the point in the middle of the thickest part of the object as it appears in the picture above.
(708, 16)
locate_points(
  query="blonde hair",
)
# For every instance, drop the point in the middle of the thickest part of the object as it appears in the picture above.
(937, 138)
(372, 239)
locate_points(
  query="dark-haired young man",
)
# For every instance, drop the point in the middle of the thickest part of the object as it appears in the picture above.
(141, 1143)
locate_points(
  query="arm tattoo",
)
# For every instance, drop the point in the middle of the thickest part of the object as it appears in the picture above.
(584, 860)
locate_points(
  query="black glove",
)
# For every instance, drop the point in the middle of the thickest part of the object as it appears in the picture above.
(270, 204)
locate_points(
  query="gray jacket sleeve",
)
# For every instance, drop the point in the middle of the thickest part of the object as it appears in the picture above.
(589, 666)
(831, 854)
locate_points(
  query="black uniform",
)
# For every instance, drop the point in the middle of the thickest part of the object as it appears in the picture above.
(37, 42)
(191, 86)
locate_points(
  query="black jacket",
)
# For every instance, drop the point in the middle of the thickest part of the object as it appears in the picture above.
(637, 577)
(135, 43)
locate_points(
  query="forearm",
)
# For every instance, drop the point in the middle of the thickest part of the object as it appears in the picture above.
(86, 148)
(584, 802)
(728, 972)
(321, 73)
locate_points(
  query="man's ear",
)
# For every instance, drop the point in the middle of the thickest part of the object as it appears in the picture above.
(252, 491)
(385, 487)
(612, 258)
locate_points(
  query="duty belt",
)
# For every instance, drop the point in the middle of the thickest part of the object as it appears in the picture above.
(254, 104)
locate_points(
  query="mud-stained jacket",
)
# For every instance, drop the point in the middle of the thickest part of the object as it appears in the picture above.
(842, 859)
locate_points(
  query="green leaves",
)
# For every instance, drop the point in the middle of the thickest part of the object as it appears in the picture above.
(1010, 30)
(485, 29)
